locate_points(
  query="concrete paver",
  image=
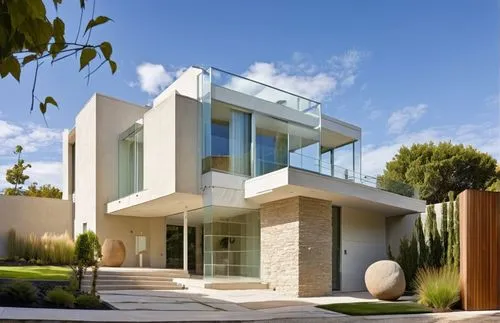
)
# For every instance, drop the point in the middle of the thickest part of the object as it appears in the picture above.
(226, 306)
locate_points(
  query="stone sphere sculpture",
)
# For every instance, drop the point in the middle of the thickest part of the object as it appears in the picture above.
(113, 253)
(385, 280)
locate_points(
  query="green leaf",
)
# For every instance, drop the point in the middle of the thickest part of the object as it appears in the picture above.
(17, 13)
(113, 66)
(10, 65)
(87, 55)
(82, 4)
(95, 22)
(28, 59)
(43, 107)
(36, 8)
(56, 3)
(58, 29)
(50, 100)
(56, 48)
(106, 49)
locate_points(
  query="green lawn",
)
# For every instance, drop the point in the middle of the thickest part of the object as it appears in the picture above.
(35, 272)
(376, 308)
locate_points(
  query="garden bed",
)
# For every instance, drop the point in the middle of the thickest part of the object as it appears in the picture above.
(37, 297)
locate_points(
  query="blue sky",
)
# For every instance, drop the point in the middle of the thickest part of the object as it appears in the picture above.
(405, 72)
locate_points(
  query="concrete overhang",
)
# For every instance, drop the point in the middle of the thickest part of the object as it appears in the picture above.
(290, 182)
(145, 204)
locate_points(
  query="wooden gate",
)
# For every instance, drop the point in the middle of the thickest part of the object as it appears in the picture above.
(480, 249)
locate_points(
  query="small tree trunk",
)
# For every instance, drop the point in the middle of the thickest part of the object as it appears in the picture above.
(93, 289)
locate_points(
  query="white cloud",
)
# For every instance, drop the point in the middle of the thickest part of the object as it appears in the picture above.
(399, 119)
(153, 78)
(32, 137)
(301, 76)
(485, 137)
(8, 129)
(371, 110)
(493, 100)
(345, 66)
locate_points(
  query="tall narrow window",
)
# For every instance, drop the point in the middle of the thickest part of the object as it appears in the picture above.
(231, 139)
(130, 160)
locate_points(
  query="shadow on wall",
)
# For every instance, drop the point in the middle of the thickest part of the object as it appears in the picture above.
(34, 215)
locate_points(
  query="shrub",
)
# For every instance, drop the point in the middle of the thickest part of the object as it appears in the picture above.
(408, 259)
(88, 301)
(438, 288)
(21, 292)
(87, 254)
(60, 297)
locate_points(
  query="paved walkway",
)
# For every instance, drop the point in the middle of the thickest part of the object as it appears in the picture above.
(203, 305)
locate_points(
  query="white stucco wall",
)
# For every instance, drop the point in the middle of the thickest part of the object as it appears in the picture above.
(362, 243)
(186, 85)
(159, 148)
(33, 215)
(171, 146)
(402, 226)
(85, 167)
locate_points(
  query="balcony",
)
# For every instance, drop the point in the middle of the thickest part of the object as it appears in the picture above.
(256, 89)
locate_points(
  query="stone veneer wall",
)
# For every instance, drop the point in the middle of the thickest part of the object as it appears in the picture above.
(296, 246)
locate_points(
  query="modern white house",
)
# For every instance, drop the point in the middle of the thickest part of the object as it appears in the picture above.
(232, 179)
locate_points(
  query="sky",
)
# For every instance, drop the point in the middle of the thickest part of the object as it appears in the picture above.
(404, 71)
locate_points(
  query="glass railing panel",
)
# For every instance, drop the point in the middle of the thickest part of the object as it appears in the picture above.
(265, 92)
(325, 168)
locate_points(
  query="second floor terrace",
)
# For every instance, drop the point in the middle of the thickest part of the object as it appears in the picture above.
(249, 129)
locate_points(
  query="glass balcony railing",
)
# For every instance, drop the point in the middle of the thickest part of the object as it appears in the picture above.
(265, 92)
(325, 168)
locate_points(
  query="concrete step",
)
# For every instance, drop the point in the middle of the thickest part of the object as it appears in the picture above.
(236, 285)
(132, 287)
(129, 278)
(131, 282)
(170, 273)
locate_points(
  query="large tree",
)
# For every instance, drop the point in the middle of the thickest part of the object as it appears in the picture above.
(495, 185)
(29, 36)
(436, 169)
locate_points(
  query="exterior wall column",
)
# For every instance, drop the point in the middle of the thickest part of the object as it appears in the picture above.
(301, 228)
(199, 254)
(185, 242)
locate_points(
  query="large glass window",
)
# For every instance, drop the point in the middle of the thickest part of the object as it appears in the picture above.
(130, 160)
(231, 242)
(272, 144)
(230, 139)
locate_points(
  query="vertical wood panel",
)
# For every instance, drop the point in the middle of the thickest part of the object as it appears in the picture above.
(479, 249)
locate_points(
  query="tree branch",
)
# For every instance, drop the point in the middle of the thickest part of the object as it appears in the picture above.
(34, 85)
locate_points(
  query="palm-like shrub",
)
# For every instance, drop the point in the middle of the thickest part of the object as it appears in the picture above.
(438, 288)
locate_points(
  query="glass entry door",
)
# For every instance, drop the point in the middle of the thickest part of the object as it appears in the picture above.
(336, 247)
(175, 255)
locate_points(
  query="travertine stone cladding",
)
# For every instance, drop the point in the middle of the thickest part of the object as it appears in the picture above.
(296, 246)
